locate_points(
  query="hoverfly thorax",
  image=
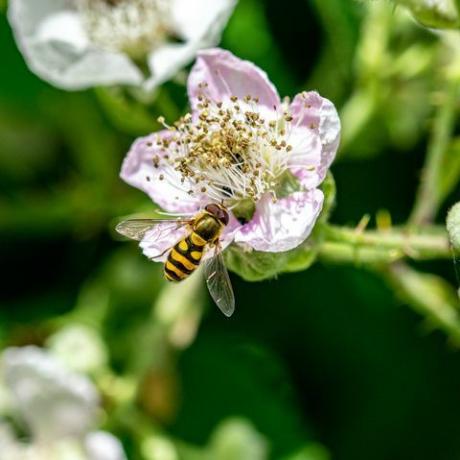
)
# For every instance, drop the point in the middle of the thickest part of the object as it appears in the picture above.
(210, 224)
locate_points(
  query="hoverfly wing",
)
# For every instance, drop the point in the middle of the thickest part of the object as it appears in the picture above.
(136, 229)
(219, 284)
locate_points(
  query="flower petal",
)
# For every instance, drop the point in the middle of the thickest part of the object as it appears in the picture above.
(8, 442)
(201, 20)
(163, 183)
(55, 46)
(282, 225)
(165, 61)
(101, 445)
(200, 24)
(65, 27)
(226, 76)
(313, 116)
(54, 402)
(305, 158)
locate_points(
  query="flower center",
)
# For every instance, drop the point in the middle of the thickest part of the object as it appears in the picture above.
(134, 27)
(233, 151)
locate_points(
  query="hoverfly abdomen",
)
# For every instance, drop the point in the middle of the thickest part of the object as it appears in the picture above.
(184, 258)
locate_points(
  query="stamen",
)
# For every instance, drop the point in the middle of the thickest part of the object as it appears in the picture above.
(231, 150)
(134, 27)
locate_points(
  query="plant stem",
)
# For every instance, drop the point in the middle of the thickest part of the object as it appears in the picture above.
(429, 193)
(428, 294)
(347, 245)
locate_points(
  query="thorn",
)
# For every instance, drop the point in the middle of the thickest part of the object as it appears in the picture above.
(363, 223)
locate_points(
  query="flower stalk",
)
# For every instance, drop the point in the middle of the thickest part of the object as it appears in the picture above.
(429, 195)
(348, 245)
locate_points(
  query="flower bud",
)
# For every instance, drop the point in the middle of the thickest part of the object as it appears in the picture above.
(237, 438)
(453, 226)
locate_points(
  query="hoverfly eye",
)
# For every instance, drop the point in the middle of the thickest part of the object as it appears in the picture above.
(223, 216)
(212, 209)
(218, 212)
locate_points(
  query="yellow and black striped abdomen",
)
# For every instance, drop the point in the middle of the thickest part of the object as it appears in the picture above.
(184, 258)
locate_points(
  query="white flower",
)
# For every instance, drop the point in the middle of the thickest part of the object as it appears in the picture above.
(58, 407)
(76, 44)
(242, 146)
(79, 347)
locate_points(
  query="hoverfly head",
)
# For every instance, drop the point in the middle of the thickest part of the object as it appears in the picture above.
(218, 211)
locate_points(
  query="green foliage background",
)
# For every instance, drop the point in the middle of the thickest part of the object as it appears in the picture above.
(329, 356)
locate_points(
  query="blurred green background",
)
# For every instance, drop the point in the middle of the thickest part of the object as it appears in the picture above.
(327, 357)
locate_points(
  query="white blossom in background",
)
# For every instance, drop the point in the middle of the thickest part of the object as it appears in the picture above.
(79, 347)
(58, 409)
(76, 44)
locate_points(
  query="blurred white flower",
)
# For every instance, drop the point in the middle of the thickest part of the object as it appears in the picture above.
(59, 409)
(79, 347)
(76, 44)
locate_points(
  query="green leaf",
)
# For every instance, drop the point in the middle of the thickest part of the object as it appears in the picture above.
(312, 451)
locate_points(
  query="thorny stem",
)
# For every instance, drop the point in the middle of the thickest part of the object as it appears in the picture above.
(429, 193)
(347, 245)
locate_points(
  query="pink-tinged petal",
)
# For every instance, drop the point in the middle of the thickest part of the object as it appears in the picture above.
(226, 76)
(158, 242)
(162, 183)
(282, 225)
(305, 157)
(314, 115)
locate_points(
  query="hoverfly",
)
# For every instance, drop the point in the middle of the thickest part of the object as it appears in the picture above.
(205, 229)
